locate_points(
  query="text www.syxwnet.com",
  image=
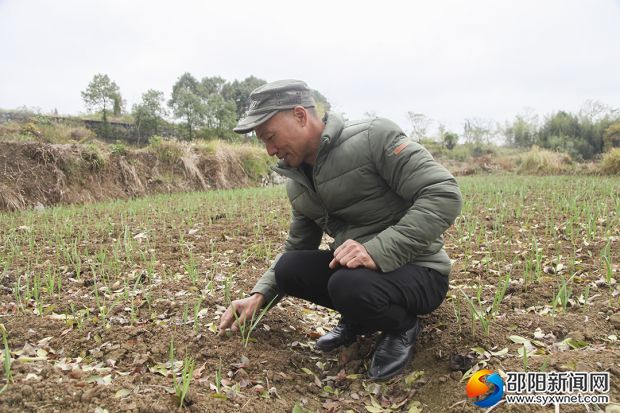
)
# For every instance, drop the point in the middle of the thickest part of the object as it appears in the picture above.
(545, 399)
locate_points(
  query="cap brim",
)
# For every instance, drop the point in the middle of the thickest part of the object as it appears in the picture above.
(249, 122)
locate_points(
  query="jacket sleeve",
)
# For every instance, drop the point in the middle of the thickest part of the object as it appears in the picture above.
(431, 190)
(303, 234)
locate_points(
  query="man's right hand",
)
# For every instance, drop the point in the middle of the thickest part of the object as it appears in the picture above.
(245, 308)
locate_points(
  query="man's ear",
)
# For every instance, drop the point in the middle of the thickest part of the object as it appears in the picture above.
(301, 115)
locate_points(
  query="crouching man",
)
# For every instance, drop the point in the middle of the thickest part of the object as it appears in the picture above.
(383, 199)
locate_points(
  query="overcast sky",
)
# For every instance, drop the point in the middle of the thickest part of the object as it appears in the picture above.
(450, 60)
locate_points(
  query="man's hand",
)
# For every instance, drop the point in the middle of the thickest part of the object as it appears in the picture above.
(352, 254)
(243, 308)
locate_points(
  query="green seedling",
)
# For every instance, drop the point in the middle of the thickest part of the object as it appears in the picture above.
(500, 292)
(476, 314)
(149, 303)
(50, 281)
(105, 310)
(227, 288)
(181, 384)
(74, 257)
(607, 260)
(564, 294)
(196, 311)
(192, 269)
(8, 375)
(538, 259)
(218, 378)
(457, 311)
(247, 328)
(150, 265)
(78, 316)
(36, 294)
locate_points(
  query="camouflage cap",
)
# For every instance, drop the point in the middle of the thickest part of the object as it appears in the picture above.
(271, 98)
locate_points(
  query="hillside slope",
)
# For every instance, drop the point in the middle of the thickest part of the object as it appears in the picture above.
(33, 173)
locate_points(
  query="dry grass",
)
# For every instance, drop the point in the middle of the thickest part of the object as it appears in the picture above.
(190, 162)
(12, 132)
(10, 200)
(543, 162)
(168, 151)
(611, 162)
(44, 132)
(254, 160)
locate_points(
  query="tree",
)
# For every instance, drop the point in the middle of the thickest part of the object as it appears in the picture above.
(186, 82)
(520, 133)
(594, 111)
(149, 113)
(561, 131)
(101, 94)
(595, 118)
(584, 135)
(479, 131)
(419, 124)
(186, 103)
(449, 140)
(118, 106)
(189, 106)
(239, 92)
(211, 86)
(220, 113)
(222, 116)
(611, 137)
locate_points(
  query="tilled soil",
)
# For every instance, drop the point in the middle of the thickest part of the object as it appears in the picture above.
(102, 340)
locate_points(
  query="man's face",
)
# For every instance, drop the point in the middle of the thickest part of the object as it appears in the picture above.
(284, 136)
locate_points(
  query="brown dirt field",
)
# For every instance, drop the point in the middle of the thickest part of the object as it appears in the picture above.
(151, 260)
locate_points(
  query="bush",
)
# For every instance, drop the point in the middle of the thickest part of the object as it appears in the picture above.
(47, 131)
(12, 132)
(478, 150)
(81, 134)
(93, 157)
(256, 161)
(30, 129)
(165, 150)
(611, 162)
(543, 162)
(206, 147)
(435, 148)
(119, 149)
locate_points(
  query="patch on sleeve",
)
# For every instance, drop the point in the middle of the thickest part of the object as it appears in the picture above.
(400, 148)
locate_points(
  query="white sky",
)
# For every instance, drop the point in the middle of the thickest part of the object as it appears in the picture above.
(450, 60)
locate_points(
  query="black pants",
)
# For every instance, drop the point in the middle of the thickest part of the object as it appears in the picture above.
(368, 299)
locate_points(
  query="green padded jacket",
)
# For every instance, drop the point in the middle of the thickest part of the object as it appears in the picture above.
(375, 185)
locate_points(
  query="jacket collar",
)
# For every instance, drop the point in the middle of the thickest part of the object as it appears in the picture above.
(334, 124)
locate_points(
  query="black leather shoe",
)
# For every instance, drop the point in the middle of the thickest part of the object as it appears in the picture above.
(341, 335)
(393, 353)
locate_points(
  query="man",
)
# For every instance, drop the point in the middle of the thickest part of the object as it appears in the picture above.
(383, 199)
